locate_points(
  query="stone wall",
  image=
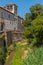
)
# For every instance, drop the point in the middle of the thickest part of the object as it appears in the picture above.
(1, 42)
(9, 19)
(9, 38)
(17, 36)
(13, 37)
(1, 39)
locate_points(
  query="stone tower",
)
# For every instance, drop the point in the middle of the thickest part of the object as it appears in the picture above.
(12, 8)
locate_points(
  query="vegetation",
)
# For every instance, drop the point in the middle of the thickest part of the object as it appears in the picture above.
(34, 24)
(17, 59)
(1, 35)
(35, 11)
(2, 56)
(2, 51)
(33, 31)
(35, 57)
(37, 29)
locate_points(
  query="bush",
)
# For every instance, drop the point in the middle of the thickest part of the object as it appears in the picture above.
(33, 41)
(2, 56)
(35, 57)
(37, 27)
(26, 32)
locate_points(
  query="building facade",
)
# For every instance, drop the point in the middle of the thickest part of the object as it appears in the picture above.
(10, 23)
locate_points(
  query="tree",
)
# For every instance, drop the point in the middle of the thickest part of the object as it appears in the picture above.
(27, 20)
(37, 28)
(34, 24)
(36, 10)
(26, 32)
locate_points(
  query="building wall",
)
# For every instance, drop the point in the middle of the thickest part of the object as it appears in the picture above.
(19, 24)
(1, 39)
(9, 38)
(1, 42)
(9, 20)
(17, 37)
(12, 8)
(12, 23)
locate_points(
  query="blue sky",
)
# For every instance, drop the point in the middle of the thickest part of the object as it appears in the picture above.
(23, 5)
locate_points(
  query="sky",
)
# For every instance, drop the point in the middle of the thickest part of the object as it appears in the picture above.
(23, 5)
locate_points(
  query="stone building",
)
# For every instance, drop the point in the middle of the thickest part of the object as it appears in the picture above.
(10, 23)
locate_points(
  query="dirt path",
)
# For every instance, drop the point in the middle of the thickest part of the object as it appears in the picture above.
(10, 58)
(25, 54)
(25, 51)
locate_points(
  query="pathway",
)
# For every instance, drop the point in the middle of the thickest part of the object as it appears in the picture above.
(25, 51)
(10, 58)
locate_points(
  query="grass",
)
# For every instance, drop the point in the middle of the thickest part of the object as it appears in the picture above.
(1, 35)
(35, 57)
(17, 60)
(1, 54)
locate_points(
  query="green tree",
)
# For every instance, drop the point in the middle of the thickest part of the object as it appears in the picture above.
(36, 10)
(37, 28)
(27, 20)
(26, 32)
(32, 25)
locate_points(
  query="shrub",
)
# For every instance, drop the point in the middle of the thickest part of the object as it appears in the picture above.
(37, 26)
(35, 57)
(36, 29)
(2, 56)
(33, 41)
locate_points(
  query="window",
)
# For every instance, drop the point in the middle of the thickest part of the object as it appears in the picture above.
(9, 16)
(15, 19)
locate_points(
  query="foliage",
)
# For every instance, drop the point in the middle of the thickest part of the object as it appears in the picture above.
(1, 53)
(27, 20)
(17, 56)
(34, 24)
(17, 59)
(1, 35)
(2, 56)
(32, 40)
(35, 57)
(37, 28)
(12, 47)
(36, 10)
(26, 32)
